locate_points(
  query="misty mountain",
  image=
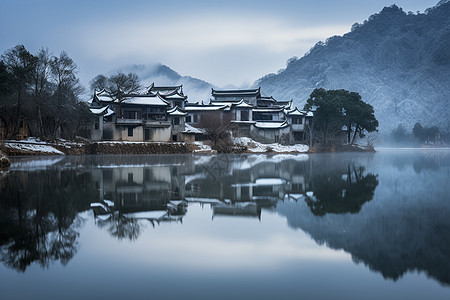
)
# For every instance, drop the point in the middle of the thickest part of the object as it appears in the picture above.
(399, 62)
(197, 90)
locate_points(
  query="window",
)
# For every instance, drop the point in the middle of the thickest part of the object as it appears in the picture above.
(130, 131)
(188, 119)
(176, 121)
(128, 114)
(244, 115)
(195, 118)
(262, 116)
(97, 124)
(297, 120)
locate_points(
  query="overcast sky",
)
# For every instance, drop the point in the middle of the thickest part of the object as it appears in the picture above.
(222, 42)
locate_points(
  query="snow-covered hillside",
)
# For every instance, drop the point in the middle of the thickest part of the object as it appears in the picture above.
(399, 62)
(197, 90)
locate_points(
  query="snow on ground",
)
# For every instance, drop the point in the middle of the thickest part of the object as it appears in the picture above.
(202, 147)
(253, 146)
(33, 147)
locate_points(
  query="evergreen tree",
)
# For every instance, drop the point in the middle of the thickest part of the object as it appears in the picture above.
(335, 110)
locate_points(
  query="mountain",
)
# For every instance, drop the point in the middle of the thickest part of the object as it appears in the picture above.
(399, 62)
(197, 90)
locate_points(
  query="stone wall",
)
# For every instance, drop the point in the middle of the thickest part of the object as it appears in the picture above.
(137, 148)
(108, 148)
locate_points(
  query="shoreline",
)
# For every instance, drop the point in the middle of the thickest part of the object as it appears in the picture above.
(35, 147)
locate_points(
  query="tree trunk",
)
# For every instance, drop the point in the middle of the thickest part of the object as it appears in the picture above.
(349, 132)
(356, 131)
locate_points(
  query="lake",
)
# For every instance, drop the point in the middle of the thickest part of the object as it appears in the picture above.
(318, 226)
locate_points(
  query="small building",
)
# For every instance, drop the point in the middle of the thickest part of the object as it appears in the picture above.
(154, 115)
(263, 119)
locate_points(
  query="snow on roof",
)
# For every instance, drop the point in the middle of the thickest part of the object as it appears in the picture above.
(176, 112)
(164, 90)
(271, 99)
(98, 111)
(103, 96)
(173, 96)
(146, 100)
(220, 103)
(271, 125)
(109, 113)
(206, 108)
(242, 104)
(226, 93)
(288, 105)
(191, 129)
(295, 112)
(272, 110)
(308, 113)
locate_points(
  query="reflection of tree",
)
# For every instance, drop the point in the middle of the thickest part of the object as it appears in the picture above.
(121, 227)
(405, 231)
(38, 216)
(341, 192)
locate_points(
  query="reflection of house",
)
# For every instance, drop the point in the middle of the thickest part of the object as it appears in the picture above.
(161, 114)
(232, 185)
(263, 181)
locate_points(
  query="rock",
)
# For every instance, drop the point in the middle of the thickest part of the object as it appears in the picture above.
(4, 160)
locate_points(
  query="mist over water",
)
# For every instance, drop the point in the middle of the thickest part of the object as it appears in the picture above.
(250, 226)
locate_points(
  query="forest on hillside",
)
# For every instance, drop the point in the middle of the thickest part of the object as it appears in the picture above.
(397, 61)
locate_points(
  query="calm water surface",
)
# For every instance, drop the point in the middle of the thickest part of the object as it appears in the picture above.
(323, 226)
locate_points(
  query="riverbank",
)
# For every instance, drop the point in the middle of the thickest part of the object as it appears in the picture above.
(4, 160)
(34, 146)
(343, 148)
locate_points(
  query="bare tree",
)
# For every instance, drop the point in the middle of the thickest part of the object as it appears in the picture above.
(19, 64)
(41, 89)
(218, 127)
(118, 85)
(68, 89)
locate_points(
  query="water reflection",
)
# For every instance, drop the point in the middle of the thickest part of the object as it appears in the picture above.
(39, 216)
(342, 187)
(404, 229)
(388, 211)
